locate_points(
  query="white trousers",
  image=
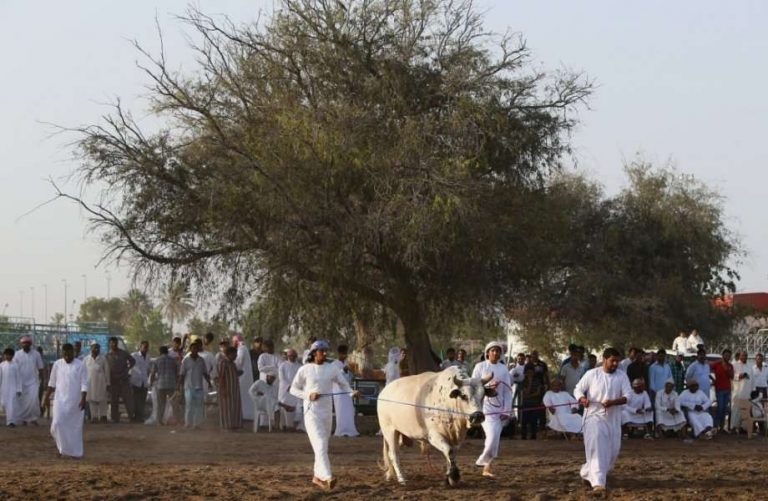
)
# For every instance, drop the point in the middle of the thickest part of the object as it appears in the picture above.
(318, 425)
(492, 428)
(602, 442)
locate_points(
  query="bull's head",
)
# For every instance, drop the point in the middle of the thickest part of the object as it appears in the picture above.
(469, 394)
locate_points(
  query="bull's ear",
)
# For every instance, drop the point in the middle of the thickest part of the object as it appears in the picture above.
(455, 393)
(490, 392)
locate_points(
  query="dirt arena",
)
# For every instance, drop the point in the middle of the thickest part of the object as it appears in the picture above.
(147, 462)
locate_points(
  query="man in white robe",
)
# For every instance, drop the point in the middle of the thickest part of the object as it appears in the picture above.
(742, 388)
(10, 388)
(602, 391)
(312, 384)
(69, 381)
(680, 344)
(342, 403)
(694, 341)
(497, 408)
(243, 363)
(31, 370)
(562, 408)
(696, 405)
(98, 382)
(669, 415)
(290, 406)
(638, 410)
(268, 362)
(392, 369)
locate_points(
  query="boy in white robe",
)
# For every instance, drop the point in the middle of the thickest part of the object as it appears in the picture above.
(498, 409)
(98, 382)
(696, 405)
(638, 410)
(562, 408)
(290, 406)
(69, 379)
(742, 388)
(343, 405)
(243, 363)
(313, 383)
(10, 388)
(31, 369)
(602, 391)
(669, 416)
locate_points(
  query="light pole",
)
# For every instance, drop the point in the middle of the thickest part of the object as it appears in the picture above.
(85, 287)
(21, 302)
(45, 288)
(32, 290)
(5, 307)
(109, 280)
(65, 300)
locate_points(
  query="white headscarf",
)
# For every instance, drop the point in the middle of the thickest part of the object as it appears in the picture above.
(392, 369)
(493, 344)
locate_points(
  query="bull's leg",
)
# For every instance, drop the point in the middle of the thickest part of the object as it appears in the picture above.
(392, 437)
(452, 474)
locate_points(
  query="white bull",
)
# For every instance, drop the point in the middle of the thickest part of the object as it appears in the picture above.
(434, 407)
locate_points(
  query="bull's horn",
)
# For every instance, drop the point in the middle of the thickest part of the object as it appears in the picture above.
(458, 382)
(487, 379)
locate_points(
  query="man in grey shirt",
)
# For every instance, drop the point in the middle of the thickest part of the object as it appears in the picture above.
(572, 371)
(193, 372)
(119, 363)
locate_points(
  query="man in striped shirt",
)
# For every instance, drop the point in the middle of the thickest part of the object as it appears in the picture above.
(165, 370)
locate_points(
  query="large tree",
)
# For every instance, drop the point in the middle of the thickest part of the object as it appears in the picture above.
(387, 152)
(640, 266)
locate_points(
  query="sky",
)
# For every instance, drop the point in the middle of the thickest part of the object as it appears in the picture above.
(678, 83)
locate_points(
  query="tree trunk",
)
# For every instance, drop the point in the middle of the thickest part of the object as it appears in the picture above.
(364, 352)
(419, 356)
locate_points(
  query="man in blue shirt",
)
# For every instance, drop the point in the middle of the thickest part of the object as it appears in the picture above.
(658, 373)
(699, 370)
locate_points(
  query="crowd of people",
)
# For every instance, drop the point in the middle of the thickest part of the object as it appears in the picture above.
(661, 395)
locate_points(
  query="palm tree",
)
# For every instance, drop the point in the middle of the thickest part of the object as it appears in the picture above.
(176, 302)
(136, 303)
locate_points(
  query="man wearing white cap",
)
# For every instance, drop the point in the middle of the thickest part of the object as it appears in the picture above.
(602, 391)
(638, 410)
(31, 372)
(243, 363)
(696, 404)
(669, 416)
(498, 409)
(313, 384)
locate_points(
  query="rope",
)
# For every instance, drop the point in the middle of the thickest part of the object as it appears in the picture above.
(449, 411)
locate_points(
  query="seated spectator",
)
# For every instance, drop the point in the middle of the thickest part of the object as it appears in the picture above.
(562, 416)
(695, 404)
(638, 410)
(669, 416)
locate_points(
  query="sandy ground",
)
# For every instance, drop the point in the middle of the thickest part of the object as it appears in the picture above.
(147, 462)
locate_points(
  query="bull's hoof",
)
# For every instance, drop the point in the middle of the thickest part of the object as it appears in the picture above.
(401, 481)
(452, 480)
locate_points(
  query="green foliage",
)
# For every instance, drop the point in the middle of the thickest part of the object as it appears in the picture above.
(353, 153)
(199, 327)
(641, 266)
